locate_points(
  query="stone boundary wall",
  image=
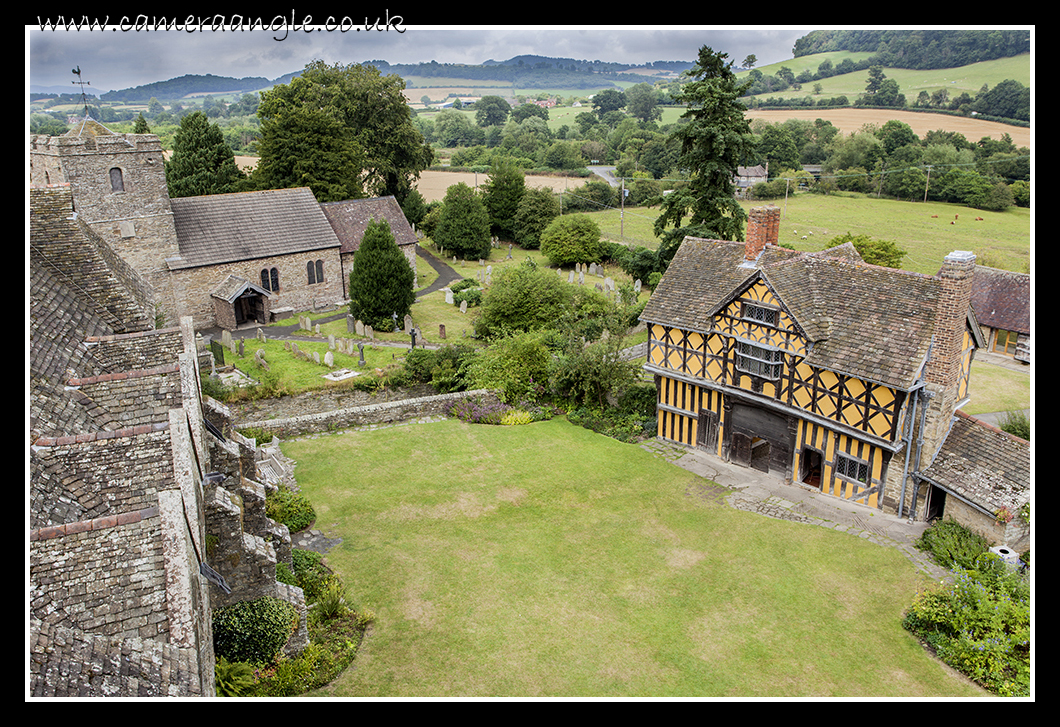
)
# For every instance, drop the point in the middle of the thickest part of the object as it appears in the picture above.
(385, 413)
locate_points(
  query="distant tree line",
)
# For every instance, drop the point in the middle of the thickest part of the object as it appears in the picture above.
(180, 87)
(917, 49)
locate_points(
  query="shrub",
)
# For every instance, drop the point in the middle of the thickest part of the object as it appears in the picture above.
(253, 631)
(284, 574)
(312, 576)
(479, 412)
(473, 296)
(572, 239)
(982, 631)
(1017, 424)
(463, 284)
(332, 602)
(232, 678)
(952, 545)
(514, 417)
(290, 508)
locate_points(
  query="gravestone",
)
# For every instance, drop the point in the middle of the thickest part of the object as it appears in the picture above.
(570, 277)
(441, 331)
(259, 357)
(260, 334)
(463, 306)
(218, 352)
(317, 329)
(226, 340)
(331, 342)
(360, 354)
(636, 286)
(369, 332)
(609, 284)
(240, 348)
(509, 252)
(316, 357)
(581, 277)
(329, 360)
(294, 349)
(408, 323)
(358, 327)
(351, 324)
(448, 297)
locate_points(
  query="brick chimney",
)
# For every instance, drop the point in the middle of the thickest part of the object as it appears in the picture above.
(763, 228)
(955, 296)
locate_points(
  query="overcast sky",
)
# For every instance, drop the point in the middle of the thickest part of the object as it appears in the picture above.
(118, 58)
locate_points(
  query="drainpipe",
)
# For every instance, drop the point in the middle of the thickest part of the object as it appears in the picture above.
(908, 439)
(919, 447)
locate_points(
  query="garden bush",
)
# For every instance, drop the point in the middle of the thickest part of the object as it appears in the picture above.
(232, 678)
(982, 632)
(253, 631)
(290, 508)
(980, 623)
(952, 545)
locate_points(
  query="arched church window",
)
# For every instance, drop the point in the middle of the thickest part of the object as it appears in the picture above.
(274, 276)
(311, 272)
(117, 183)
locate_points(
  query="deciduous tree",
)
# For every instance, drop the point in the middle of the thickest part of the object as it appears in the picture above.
(374, 114)
(463, 227)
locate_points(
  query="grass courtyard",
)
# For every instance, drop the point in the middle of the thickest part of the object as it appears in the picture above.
(548, 561)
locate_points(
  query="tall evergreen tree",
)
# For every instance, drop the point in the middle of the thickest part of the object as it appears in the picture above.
(382, 282)
(202, 163)
(714, 142)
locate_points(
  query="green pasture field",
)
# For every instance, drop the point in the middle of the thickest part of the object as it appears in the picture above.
(546, 560)
(965, 79)
(1001, 239)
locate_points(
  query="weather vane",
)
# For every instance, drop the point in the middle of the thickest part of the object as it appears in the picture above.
(82, 83)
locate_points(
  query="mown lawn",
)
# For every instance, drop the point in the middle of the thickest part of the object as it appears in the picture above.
(547, 561)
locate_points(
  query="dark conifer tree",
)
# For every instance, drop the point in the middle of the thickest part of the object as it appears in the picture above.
(382, 282)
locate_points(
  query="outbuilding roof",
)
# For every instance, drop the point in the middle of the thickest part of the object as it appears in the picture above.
(350, 218)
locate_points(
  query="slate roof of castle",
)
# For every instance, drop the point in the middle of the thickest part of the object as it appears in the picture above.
(224, 228)
(1002, 299)
(350, 218)
(863, 320)
(983, 465)
(102, 381)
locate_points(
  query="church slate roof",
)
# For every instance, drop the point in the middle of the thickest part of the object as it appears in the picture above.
(225, 228)
(863, 320)
(1002, 299)
(982, 465)
(350, 218)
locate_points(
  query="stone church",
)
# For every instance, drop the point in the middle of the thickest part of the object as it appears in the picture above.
(225, 260)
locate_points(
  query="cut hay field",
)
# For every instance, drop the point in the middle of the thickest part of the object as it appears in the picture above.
(849, 120)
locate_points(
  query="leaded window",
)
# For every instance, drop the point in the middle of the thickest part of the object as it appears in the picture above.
(759, 360)
(760, 313)
(852, 469)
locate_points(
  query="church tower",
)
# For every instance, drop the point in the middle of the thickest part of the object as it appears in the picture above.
(118, 183)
